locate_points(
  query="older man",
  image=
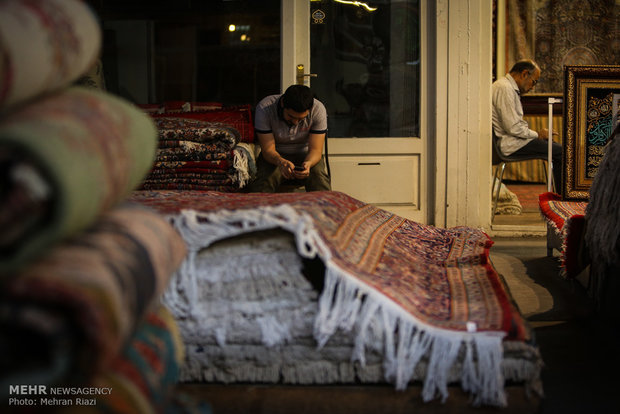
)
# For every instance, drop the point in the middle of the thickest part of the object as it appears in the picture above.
(514, 133)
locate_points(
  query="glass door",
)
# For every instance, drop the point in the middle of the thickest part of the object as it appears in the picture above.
(363, 61)
(366, 57)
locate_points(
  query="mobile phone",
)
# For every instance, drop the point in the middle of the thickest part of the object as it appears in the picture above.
(299, 168)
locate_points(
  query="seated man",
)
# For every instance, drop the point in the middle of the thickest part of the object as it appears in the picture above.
(291, 130)
(516, 138)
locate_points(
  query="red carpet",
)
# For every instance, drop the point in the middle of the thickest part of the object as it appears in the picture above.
(528, 193)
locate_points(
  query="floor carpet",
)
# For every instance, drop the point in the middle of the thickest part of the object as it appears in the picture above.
(527, 193)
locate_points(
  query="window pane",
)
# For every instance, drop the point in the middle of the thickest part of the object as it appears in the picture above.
(367, 58)
(224, 51)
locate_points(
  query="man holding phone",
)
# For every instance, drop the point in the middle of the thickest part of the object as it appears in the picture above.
(291, 130)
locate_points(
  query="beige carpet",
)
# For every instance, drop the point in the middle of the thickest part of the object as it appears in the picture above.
(533, 279)
(513, 259)
(531, 297)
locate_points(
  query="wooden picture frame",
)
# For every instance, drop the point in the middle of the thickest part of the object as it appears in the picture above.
(588, 101)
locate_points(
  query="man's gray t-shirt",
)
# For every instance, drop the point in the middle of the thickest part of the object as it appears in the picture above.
(290, 139)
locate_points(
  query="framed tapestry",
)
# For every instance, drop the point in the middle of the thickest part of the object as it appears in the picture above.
(589, 93)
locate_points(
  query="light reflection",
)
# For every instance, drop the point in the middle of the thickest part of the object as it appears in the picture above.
(358, 4)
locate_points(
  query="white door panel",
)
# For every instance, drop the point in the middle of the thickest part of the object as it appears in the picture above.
(378, 179)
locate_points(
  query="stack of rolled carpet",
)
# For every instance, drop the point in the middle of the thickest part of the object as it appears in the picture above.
(204, 146)
(198, 155)
(81, 269)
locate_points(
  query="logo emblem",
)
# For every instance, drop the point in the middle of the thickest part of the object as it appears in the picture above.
(318, 16)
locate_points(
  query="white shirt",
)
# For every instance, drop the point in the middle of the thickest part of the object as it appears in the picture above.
(508, 122)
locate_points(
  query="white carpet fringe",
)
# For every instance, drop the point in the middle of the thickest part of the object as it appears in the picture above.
(347, 304)
(273, 332)
(241, 167)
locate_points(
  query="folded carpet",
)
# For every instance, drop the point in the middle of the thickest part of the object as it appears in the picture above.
(66, 158)
(187, 133)
(205, 150)
(237, 116)
(68, 314)
(44, 45)
(566, 218)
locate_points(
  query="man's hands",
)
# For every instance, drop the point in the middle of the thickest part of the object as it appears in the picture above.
(302, 174)
(286, 167)
(288, 171)
(544, 134)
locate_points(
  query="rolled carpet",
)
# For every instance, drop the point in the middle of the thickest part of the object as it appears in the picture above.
(64, 159)
(68, 315)
(44, 46)
(143, 378)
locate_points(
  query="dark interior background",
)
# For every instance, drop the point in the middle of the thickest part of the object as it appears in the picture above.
(183, 49)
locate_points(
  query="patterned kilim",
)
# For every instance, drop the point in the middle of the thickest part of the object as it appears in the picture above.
(566, 218)
(143, 378)
(437, 292)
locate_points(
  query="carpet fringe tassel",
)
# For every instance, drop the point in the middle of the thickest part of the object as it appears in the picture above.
(241, 167)
(348, 304)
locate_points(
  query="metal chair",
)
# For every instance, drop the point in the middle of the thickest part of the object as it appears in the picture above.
(500, 160)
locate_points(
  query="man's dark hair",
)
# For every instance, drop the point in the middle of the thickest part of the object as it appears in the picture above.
(522, 65)
(298, 98)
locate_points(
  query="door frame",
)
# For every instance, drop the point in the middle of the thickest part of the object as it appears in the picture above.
(295, 40)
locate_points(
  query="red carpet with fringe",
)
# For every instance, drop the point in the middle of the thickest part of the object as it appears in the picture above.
(566, 218)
